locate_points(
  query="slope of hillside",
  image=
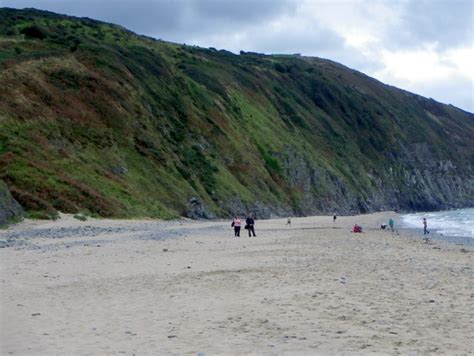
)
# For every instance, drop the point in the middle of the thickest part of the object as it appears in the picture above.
(97, 119)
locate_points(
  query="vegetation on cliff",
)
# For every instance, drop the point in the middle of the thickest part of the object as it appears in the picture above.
(96, 119)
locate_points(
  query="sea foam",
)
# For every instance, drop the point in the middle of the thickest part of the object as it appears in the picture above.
(458, 222)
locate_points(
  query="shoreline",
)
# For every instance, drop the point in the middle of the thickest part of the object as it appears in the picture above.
(435, 236)
(184, 287)
(465, 237)
(400, 226)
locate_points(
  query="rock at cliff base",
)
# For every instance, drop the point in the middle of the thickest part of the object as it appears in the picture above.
(9, 207)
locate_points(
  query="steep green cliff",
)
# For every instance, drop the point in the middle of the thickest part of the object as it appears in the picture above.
(95, 118)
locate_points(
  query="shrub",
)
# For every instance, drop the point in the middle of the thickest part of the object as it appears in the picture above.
(35, 32)
(80, 217)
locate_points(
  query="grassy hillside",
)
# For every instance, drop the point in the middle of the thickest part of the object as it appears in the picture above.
(94, 118)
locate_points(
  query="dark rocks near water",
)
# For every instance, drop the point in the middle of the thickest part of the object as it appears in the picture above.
(413, 177)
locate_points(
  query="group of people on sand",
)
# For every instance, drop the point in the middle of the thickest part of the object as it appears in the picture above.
(391, 224)
(249, 225)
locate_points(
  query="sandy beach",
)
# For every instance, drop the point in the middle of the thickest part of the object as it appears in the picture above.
(189, 287)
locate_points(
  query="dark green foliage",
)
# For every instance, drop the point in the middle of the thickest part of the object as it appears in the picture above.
(35, 32)
(271, 162)
(199, 165)
(80, 217)
(280, 68)
(199, 76)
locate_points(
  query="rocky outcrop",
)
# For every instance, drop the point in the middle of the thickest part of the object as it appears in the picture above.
(9, 207)
(413, 178)
(196, 209)
(422, 180)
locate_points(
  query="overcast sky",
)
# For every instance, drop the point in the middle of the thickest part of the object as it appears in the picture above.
(424, 46)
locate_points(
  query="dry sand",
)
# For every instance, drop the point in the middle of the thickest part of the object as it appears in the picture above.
(150, 287)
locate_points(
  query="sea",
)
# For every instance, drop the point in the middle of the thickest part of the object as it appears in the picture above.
(451, 225)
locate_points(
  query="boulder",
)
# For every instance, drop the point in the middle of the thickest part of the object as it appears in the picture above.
(9, 207)
(197, 210)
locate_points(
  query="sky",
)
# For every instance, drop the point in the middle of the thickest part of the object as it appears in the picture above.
(423, 46)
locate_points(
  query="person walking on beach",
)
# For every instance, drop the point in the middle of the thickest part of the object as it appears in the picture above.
(236, 223)
(288, 222)
(391, 223)
(425, 227)
(334, 217)
(250, 225)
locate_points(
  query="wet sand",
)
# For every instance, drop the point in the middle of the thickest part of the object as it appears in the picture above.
(185, 287)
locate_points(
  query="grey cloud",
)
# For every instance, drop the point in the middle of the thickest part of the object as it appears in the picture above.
(211, 18)
(169, 19)
(140, 15)
(450, 23)
(260, 39)
(242, 11)
(321, 41)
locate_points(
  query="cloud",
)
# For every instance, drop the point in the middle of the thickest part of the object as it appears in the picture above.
(177, 19)
(445, 75)
(141, 16)
(449, 23)
(207, 21)
(426, 64)
(358, 22)
(242, 11)
(278, 35)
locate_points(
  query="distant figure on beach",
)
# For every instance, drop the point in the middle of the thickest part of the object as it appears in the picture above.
(334, 217)
(357, 228)
(288, 222)
(425, 227)
(391, 223)
(250, 225)
(236, 223)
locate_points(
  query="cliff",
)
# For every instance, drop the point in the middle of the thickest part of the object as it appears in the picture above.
(95, 118)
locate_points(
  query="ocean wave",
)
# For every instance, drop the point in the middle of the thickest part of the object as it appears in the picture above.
(458, 222)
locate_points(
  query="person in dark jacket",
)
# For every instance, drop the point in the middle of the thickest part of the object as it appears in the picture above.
(250, 225)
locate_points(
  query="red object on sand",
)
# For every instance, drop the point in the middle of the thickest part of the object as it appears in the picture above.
(357, 228)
